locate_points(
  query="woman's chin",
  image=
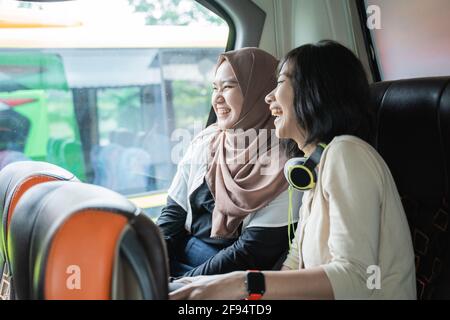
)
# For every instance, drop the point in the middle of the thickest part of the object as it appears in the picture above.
(222, 125)
(225, 123)
(279, 133)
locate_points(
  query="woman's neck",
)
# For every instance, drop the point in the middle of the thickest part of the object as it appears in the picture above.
(307, 150)
(300, 138)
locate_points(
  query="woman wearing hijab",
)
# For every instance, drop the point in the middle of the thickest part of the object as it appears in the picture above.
(227, 207)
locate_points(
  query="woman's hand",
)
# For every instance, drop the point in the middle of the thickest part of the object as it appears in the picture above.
(188, 280)
(230, 286)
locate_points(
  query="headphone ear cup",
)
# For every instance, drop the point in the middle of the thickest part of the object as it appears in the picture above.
(298, 175)
(291, 163)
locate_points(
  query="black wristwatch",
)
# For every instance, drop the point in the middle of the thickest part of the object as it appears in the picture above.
(256, 285)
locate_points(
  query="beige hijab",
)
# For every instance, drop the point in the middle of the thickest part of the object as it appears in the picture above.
(235, 172)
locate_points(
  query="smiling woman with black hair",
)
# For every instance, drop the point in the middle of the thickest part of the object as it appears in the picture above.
(353, 239)
(330, 95)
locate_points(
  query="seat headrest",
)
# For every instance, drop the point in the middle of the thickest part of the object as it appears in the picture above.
(22, 175)
(413, 134)
(61, 227)
(15, 179)
(413, 137)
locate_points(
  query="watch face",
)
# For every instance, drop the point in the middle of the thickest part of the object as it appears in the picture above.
(255, 283)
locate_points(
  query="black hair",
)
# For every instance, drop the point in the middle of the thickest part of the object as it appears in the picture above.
(331, 93)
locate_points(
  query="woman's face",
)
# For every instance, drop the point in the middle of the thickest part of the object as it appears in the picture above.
(281, 104)
(227, 98)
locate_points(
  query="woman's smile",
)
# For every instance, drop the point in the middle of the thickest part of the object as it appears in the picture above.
(281, 105)
(277, 112)
(223, 112)
(227, 98)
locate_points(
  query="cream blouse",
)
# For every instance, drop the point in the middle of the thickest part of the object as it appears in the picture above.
(353, 225)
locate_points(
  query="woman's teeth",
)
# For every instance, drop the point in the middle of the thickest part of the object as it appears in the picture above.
(223, 111)
(277, 113)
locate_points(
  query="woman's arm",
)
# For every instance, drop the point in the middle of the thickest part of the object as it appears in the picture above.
(351, 184)
(171, 222)
(309, 283)
(256, 248)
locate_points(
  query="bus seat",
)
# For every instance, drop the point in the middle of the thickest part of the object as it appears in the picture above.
(413, 136)
(158, 146)
(122, 137)
(67, 153)
(133, 170)
(104, 163)
(10, 156)
(72, 158)
(15, 180)
(81, 241)
(127, 170)
(54, 150)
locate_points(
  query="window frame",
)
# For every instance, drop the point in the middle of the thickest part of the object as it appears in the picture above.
(91, 116)
(368, 41)
(235, 13)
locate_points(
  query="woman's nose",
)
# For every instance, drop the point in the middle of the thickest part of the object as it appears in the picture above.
(269, 98)
(218, 97)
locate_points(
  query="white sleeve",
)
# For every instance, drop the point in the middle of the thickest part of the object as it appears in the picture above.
(178, 190)
(352, 186)
(191, 171)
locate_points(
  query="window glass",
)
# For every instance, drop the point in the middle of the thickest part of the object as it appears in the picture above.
(414, 38)
(99, 87)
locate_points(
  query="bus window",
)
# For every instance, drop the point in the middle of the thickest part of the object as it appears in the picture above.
(412, 38)
(98, 87)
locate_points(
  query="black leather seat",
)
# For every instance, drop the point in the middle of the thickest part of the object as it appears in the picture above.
(15, 179)
(81, 241)
(413, 136)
